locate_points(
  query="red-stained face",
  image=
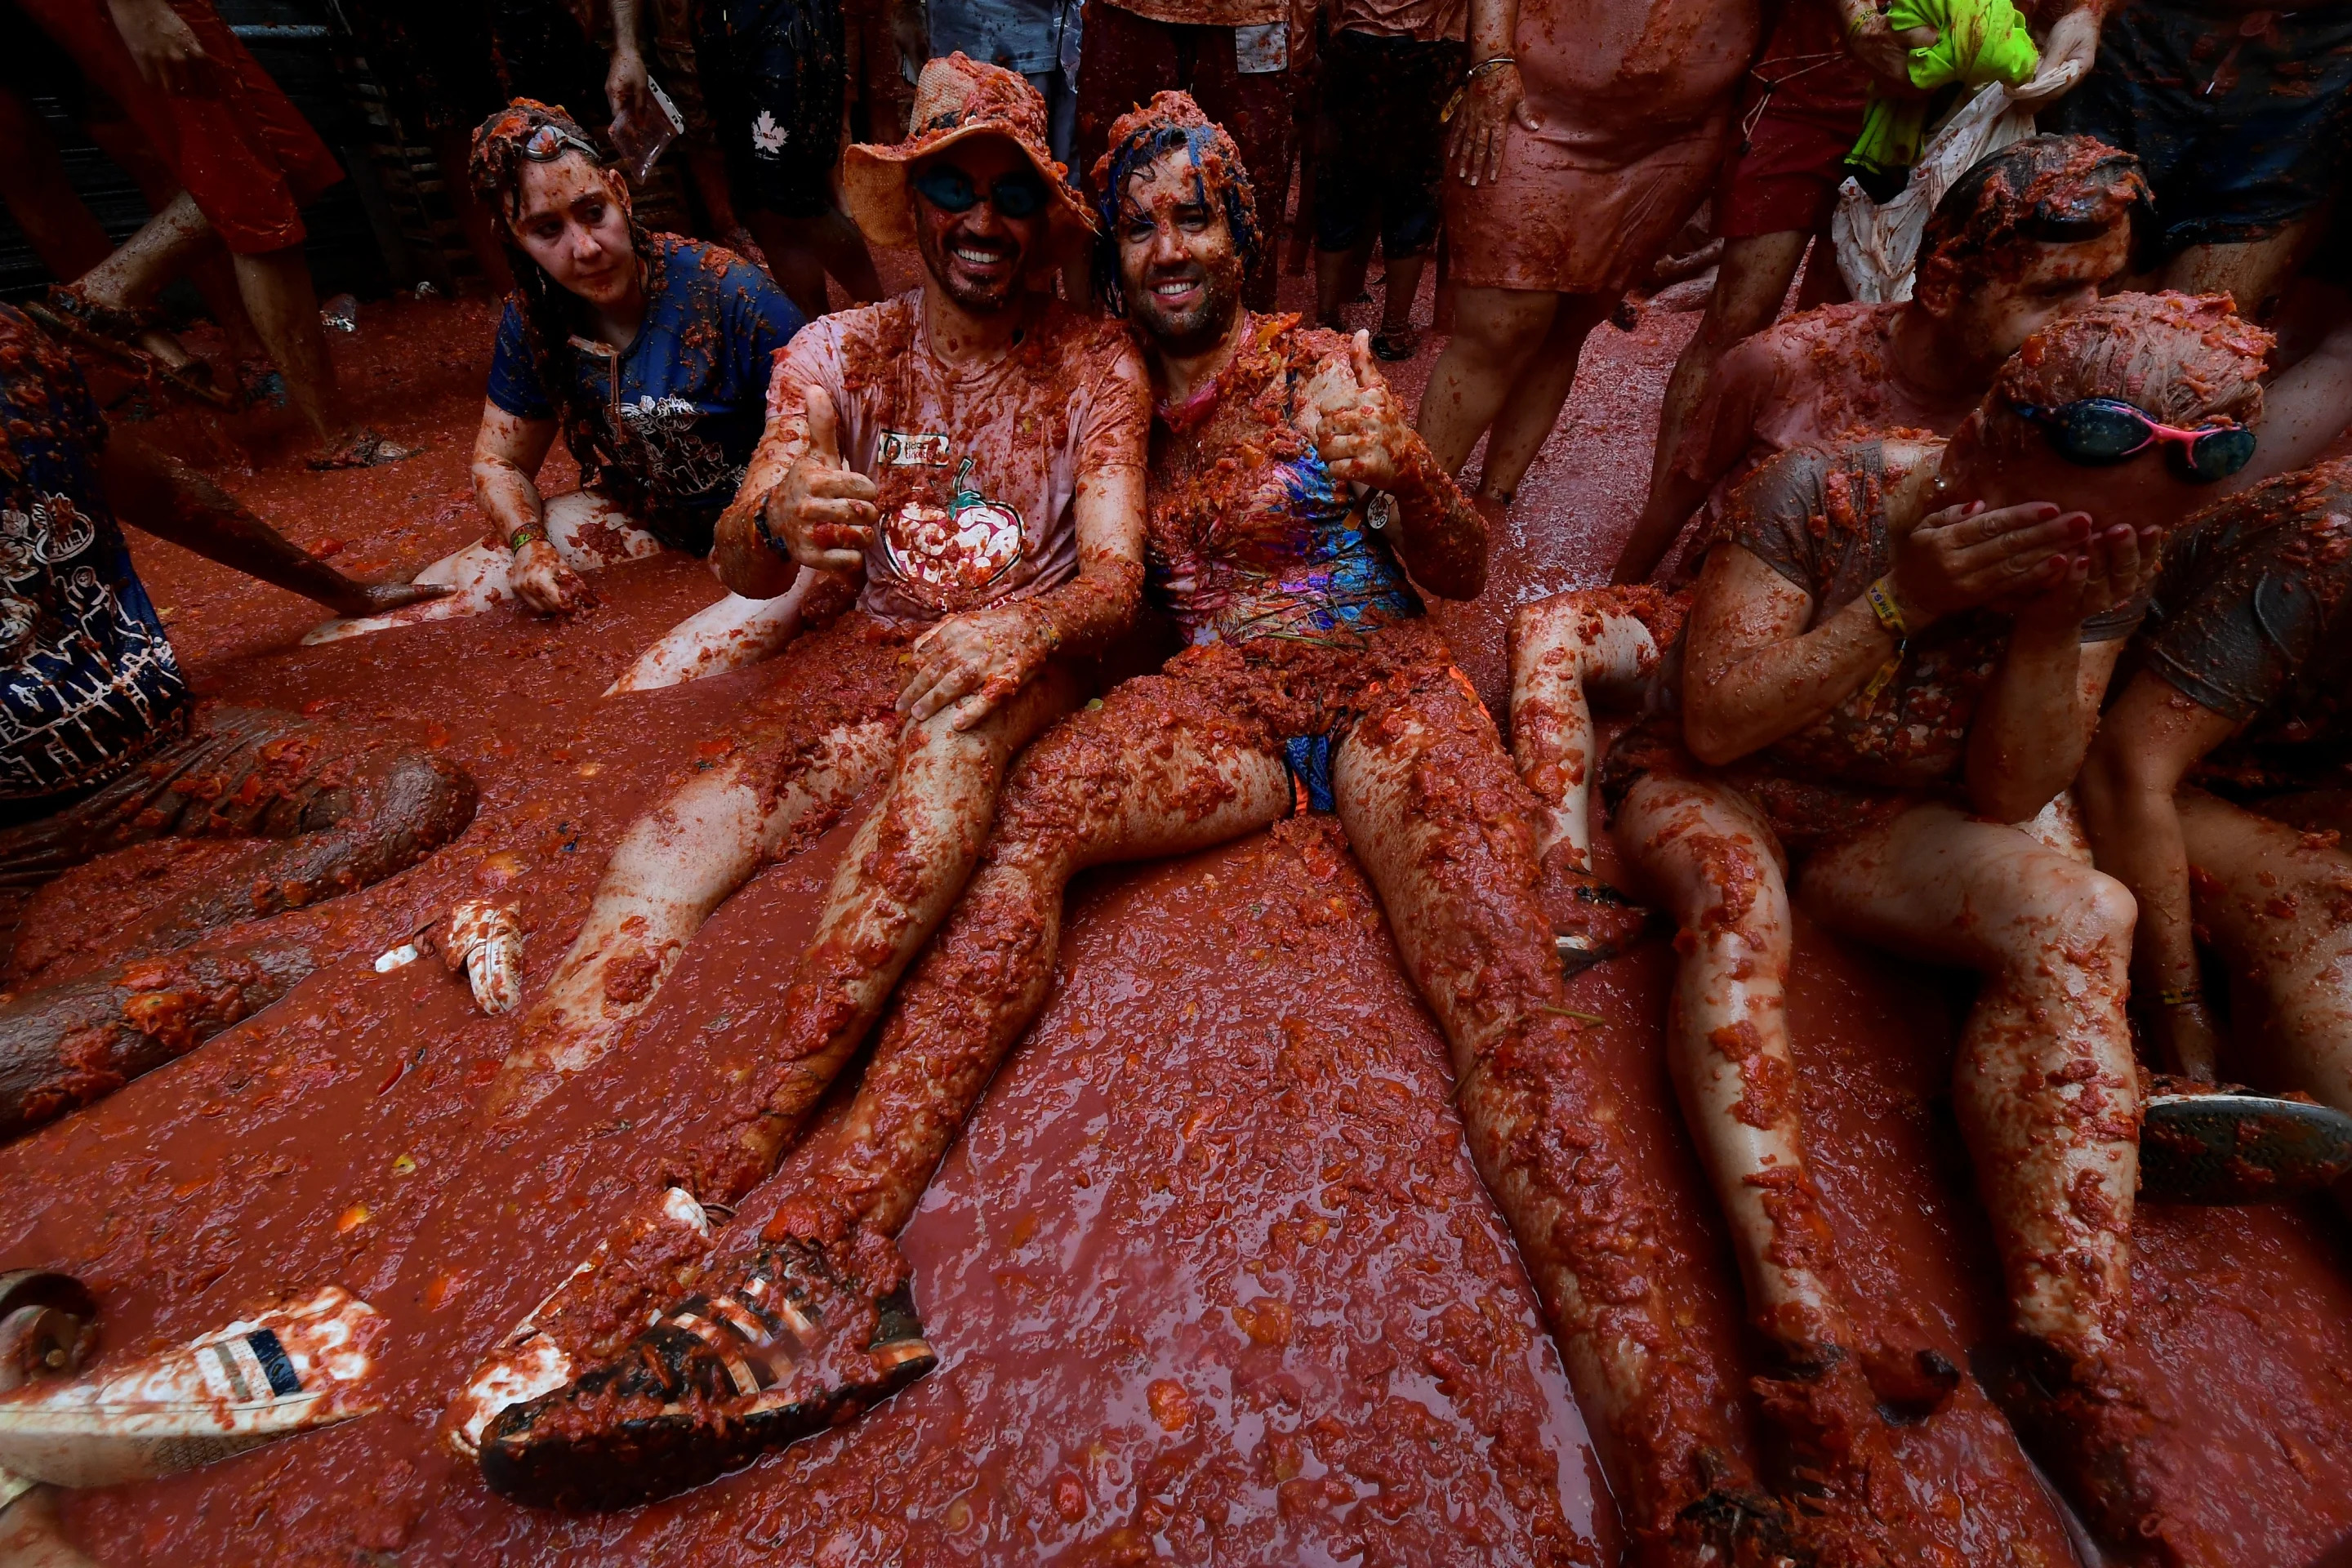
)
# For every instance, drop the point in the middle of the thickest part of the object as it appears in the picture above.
(574, 220)
(2144, 489)
(2026, 286)
(978, 255)
(1177, 263)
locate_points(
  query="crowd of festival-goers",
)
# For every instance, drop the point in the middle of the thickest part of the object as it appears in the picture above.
(1992, 618)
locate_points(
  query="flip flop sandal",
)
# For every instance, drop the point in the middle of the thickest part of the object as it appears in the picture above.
(2238, 1148)
(291, 1368)
(71, 327)
(1397, 346)
(366, 450)
(708, 1389)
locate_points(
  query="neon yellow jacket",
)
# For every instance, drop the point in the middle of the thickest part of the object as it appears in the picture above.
(1980, 41)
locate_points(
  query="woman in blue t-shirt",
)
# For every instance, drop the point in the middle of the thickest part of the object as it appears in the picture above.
(650, 355)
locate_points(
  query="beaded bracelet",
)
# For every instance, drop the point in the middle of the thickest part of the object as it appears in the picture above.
(525, 536)
(2180, 996)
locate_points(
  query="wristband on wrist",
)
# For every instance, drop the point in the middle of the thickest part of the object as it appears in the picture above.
(1881, 594)
(1880, 599)
(524, 535)
(2187, 996)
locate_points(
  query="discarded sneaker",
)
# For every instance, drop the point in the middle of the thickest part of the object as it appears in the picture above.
(531, 1362)
(786, 1348)
(291, 1368)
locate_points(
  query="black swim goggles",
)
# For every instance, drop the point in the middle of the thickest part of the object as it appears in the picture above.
(2097, 431)
(548, 142)
(950, 189)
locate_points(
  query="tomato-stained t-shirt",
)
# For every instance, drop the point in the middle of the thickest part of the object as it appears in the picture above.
(1817, 517)
(2252, 620)
(682, 405)
(1818, 379)
(88, 683)
(977, 467)
(1250, 535)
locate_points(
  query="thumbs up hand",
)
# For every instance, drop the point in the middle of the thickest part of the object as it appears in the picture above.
(1355, 420)
(824, 511)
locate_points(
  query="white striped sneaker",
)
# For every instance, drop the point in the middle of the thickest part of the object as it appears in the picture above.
(291, 1368)
(528, 1362)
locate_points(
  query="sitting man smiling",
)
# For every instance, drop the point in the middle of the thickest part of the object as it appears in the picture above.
(1289, 497)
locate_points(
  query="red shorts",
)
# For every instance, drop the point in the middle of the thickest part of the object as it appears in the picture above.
(1798, 118)
(240, 147)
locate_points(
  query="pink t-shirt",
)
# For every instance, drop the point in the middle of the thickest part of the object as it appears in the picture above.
(1810, 381)
(977, 467)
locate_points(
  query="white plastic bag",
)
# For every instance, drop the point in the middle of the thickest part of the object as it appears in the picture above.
(1877, 245)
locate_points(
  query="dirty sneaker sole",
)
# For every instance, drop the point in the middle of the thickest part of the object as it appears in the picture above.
(707, 1390)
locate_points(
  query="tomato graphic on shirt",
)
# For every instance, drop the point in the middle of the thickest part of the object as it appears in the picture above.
(947, 557)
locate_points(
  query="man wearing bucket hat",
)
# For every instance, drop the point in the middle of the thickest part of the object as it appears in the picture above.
(1288, 497)
(968, 459)
(974, 451)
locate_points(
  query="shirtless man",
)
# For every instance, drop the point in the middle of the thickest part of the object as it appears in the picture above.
(2025, 236)
(2242, 686)
(1898, 645)
(1287, 495)
(2239, 112)
(1588, 133)
(651, 355)
(976, 451)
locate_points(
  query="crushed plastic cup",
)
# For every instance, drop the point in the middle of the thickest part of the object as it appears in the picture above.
(641, 143)
(340, 314)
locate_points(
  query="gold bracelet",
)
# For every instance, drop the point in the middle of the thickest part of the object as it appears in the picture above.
(2180, 996)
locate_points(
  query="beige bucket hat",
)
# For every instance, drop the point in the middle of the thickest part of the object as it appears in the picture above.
(956, 97)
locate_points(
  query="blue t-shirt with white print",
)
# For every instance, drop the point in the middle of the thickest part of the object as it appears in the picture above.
(684, 405)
